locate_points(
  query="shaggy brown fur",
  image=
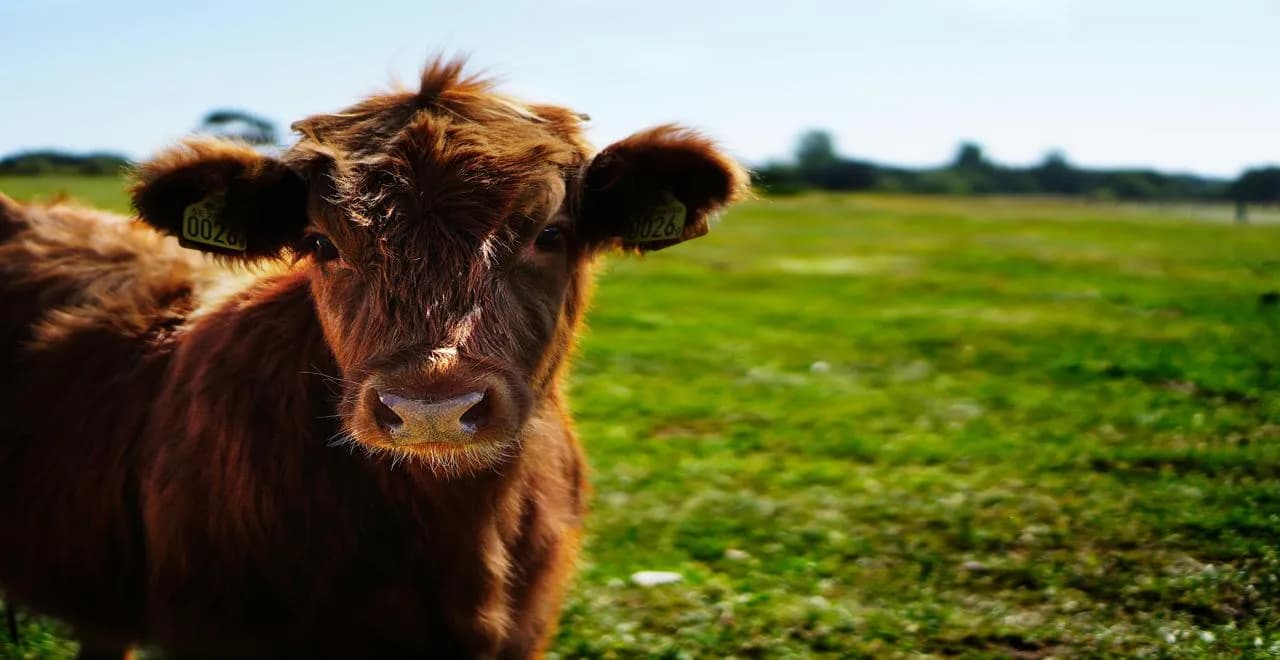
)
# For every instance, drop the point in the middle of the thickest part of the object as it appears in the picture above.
(203, 466)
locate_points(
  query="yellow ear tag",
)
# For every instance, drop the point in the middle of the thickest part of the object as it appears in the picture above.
(665, 222)
(201, 223)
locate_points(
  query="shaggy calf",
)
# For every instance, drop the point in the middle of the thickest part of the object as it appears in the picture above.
(360, 446)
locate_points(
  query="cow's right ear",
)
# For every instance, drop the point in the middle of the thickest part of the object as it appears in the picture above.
(222, 197)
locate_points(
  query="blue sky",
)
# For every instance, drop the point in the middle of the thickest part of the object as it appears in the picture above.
(1190, 86)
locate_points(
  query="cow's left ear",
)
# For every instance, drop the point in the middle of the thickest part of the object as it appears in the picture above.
(656, 188)
(222, 197)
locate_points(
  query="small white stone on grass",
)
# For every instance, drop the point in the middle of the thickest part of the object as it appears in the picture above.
(654, 578)
(736, 554)
(917, 370)
(820, 367)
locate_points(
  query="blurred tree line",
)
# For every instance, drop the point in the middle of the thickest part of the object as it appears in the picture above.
(818, 166)
(225, 123)
(53, 162)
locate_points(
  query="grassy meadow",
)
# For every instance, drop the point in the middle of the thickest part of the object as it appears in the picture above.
(868, 425)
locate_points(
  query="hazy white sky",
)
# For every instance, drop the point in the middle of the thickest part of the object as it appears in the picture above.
(1179, 85)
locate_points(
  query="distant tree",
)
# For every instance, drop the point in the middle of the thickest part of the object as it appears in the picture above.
(969, 173)
(970, 157)
(819, 165)
(816, 149)
(1257, 185)
(1055, 175)
(240, 125)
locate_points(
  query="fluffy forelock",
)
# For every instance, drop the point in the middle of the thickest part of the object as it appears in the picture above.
(455, 148)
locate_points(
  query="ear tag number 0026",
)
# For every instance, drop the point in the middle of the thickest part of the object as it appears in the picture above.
(664, 223)
(201, 223)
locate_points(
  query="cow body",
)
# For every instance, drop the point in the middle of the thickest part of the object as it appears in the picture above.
(165, 485)
(345, 436)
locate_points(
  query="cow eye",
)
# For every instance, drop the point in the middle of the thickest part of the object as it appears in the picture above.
(550, 238)
(320, 247)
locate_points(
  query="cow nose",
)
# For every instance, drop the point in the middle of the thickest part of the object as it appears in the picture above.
(409, 421)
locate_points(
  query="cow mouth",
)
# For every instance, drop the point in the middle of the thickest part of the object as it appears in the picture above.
(473, 454)
(446, 458)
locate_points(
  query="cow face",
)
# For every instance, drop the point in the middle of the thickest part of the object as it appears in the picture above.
(447, 234)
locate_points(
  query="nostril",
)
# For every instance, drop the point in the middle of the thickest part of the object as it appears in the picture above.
(477, 416)
(384, 415)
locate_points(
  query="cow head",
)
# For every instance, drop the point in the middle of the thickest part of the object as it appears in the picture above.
(447, 233)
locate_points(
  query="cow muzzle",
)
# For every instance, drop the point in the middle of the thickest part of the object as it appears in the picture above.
(457, 418)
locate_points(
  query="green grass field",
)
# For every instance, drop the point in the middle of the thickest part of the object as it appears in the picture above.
(872, 425)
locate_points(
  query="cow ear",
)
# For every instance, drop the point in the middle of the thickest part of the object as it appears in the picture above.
(656, 188)
(222, 197)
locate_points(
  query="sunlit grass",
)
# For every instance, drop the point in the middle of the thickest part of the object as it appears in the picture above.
(869, 425)
(106, 192)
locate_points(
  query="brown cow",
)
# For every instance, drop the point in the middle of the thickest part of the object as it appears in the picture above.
(346, 436)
